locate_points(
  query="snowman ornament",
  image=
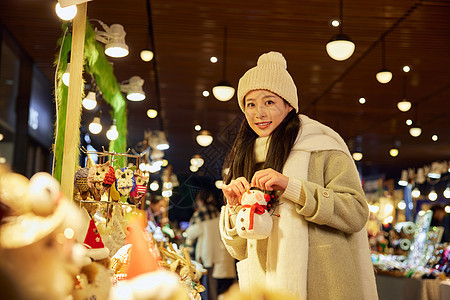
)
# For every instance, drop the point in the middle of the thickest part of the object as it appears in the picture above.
(253, 221)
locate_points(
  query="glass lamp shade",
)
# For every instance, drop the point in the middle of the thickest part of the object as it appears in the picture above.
(167, 185)
(374, 208)
(90, 101)
(415, 131)
(154, 185)
(66, 76)
(197, 161)
(146, 55)
(204, 139)
(340, 47)
(401, 205)
(357, 156)
(152, 113)
(447, 192)
(384, 76)
(95, 127)
(432, 195)
(404, 105)
(167, 193)
(218, 184)
(402, 182)
(66, 13)
(112, 134)
(415, 193)
(393, 152)
(223, 91)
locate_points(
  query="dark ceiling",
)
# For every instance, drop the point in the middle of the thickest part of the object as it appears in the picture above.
(187, 33)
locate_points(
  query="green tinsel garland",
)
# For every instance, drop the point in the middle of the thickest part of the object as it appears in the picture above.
(102, 70)
(62, 95)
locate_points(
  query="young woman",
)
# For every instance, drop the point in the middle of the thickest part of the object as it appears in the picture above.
(318, 247)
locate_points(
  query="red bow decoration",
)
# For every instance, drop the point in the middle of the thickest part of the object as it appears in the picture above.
(255, 208)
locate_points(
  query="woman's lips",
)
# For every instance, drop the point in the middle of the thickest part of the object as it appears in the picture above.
(263, 125)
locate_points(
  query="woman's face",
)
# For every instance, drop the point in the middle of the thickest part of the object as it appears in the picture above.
(264, 111)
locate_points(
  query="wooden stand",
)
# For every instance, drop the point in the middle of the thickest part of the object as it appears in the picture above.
(72, 130)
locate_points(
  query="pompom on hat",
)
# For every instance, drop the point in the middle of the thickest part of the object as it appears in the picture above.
(269, 74)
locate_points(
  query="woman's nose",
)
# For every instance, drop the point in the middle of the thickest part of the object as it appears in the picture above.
(261, 111)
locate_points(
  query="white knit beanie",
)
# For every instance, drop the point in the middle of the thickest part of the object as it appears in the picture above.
(269, 74)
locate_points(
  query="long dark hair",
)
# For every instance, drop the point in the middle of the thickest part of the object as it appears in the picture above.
(240, 161)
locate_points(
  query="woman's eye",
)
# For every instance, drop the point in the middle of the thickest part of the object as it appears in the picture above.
(250, 105)
(270, 102)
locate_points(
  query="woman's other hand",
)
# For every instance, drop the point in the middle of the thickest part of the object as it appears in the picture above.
(270, 180)
(235, 189)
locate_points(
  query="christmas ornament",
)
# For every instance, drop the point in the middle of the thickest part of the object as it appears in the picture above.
(253, 221)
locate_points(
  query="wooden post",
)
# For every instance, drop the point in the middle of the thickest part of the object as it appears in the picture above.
(72, 129)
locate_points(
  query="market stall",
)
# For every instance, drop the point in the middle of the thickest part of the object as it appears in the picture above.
(85, 228)
(410, 252)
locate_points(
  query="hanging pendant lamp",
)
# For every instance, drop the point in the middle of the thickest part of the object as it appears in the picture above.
(415, 130)
(146, 55)
(204, 138)
(224, 91)
(340, 47)
(394, 151)
(384, 75)
(404, 105)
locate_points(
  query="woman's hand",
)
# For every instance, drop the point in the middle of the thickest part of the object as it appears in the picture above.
(270, 180)
(235, 189)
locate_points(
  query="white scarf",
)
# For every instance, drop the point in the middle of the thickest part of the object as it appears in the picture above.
(288, 243)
